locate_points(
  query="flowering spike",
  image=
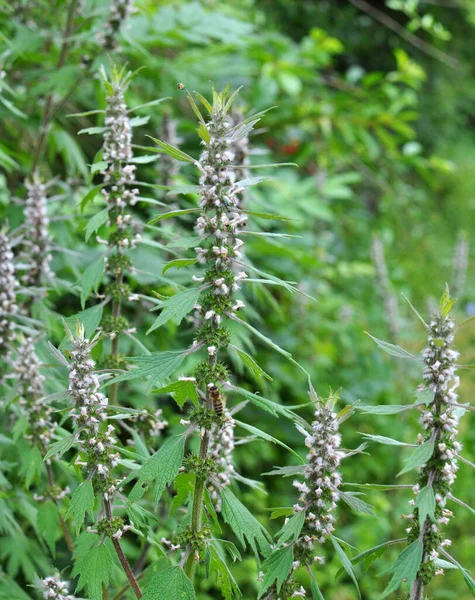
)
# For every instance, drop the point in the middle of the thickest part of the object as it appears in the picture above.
(221, 448)
(53, 588)
(120, 10)
(8, 286)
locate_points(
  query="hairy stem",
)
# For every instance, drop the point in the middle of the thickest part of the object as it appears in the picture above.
(120, 553)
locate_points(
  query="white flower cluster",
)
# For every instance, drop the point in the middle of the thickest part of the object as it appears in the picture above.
(221, 448)
(219, 224)
(150, 424)
(319, 491)
(55, 589)
(37, 241)
(120, 10)
(440, 421)
(89, 413)
(8, 286)
(26, 367)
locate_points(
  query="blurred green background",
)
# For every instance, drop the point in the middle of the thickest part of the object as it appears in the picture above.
(375, 104)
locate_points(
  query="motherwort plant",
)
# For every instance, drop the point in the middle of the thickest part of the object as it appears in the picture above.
(8, 290)
(437, 455)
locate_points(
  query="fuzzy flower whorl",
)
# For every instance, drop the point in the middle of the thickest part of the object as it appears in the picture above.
(120, 10)
(89, 415)
(319, 491)
(37, 244)
(53, 588)
(440, 421)
(30, 391)
(8, 286)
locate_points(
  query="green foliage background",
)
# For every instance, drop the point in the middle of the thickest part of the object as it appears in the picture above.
(383, 136)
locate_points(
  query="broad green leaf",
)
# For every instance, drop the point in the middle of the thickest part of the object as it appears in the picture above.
(345, 563)
(291, 530)
(161, 468)
(419, 457)
(177, 307)
(82, 502)
(243, 523)
(356, 503)
(32, 465)
(392, 349)
(265, 436)
(172, 151)
(251, 364)
(405, 567)
(96, 221)
(60, 447)
(174, 213)
(47, 521)
(184, 486)
(277, 568)
(425, 502)
(91, 279)
(94, 570)
(91, 194)
(158, 366)
(181, 390)
(170, 584)
(179, 263)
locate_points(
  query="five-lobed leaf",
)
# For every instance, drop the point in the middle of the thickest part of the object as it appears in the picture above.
(276, 568)
(405, 567)
(177, 307)
(94, 571)
(82, 502)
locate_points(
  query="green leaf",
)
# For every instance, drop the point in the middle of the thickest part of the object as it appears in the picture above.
(390, 409)
(466, 575)
(60, 447)
(90, 318)
(94, 571)
(91, 194)
(32, 465)
(392, 349)
(98, 166)
(265, 436)
(291, 530)
(177, 307)
(345, 563)
(171, 584)
(277, 567)
(381, 439)
(174, 213)
(243, 523)
(268, 405)
(215, 561)
(260, 215)
(356, 503)
(205, 102)
(377, 486)
(184, 486)
(175, 153)
(143, 160)
(287, 471)
(91, 279)
(251, 364)
(204, 133)
(158, 366)
(425, 502)
(140, 516)
(82, 502)
(162, 468)
(405, 567)
(179, 263)
(47, 521)
(93, 130)
(316, 593)
(96, 221)
(446, 302)
(181, 390)
(419, 457)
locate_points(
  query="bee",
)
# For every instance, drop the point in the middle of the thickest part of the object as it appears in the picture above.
(215, 394)
(180, 86)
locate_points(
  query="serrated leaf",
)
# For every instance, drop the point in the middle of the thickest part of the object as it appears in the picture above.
(161, 468)
(181, 390)
(142, 518)
(215, 560)
(94, 571)
(243, 523)
(82, 502)
(393, 349)
(32, 465)
(356, 503)
(291, 530)
(277, 568)
(287, 471)
(177, 307)
(158, 366)
(179, 263)
(175, 153)
(170, 584)
(91, 279)
(96, 221)
(60, 447)
(265, 436)
(174, 213)
(47, 521)
(425, 502)
(405, 567)
(345, 563)
(91, 194)
(419, 457)
(251, 364)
